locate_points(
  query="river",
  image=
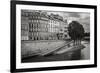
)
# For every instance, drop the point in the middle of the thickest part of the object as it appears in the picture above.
(86, 51)
(84, 54)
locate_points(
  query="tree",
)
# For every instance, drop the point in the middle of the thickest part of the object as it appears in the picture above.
(76, 32)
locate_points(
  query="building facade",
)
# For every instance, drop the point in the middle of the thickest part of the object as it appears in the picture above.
(24, 26)
(38, 25)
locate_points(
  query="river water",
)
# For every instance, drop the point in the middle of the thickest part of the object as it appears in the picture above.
(84, 54)
(86, 51)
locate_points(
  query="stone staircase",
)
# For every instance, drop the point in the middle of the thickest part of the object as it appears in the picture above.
(57, 48)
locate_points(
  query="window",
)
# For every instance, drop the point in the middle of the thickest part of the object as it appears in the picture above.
(65, 31)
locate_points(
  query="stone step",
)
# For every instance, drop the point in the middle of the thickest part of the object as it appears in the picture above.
(49, 51)
(70, 49)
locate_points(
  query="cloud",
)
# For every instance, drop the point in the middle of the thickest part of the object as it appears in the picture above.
(82, 17)
(72, 14)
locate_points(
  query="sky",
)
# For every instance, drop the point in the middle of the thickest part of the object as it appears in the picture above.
(83, 18)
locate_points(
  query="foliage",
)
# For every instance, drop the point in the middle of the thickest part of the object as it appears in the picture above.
(75, 30)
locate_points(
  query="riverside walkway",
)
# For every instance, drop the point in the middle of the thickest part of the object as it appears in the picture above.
(51, 47)
(32, 48)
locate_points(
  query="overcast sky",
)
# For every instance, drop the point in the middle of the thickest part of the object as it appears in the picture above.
(83, 18)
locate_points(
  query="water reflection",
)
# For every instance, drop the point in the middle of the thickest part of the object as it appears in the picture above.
(82, 54)
(85, 53)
